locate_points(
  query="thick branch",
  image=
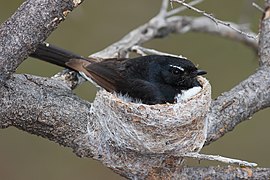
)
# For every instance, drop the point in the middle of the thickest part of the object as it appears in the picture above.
(239, 104)
(31, 24)
(46, 107)
(224, 173)
(264, 40)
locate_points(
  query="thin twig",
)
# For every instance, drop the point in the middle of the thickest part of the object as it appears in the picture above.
(180, 9)
(144, 51)
(257, 6)
(164, 7)
(217, 21)
(219, 158)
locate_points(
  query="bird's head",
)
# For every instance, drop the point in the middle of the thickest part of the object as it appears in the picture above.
(179, 73)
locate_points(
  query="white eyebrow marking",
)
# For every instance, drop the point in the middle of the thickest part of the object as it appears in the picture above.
(178, 67)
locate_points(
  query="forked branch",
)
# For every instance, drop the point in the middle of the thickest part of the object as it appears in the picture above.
(47, 107)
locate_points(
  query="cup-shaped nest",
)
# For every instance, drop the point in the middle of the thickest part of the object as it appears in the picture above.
(162, 128)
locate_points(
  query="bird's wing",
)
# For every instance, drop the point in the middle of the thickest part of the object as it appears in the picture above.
(104, 73)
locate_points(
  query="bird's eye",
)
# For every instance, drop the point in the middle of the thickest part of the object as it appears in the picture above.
(175, 71)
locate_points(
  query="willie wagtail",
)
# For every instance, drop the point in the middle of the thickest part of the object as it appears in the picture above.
(152, 79)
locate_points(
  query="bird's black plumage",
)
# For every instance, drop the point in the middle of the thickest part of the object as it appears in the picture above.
(153, 79)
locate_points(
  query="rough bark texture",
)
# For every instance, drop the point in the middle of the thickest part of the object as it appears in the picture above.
(44, 107)
(229, 172)
(264, 41)
(51, 111)
(239, 104)
(31, 24)
(47, 107)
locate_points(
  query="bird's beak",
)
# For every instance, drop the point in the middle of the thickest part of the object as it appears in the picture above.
(200, 72)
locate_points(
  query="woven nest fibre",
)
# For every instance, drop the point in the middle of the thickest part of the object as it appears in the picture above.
(162, 128)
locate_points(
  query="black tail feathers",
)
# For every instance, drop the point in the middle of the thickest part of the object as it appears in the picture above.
(55, 55)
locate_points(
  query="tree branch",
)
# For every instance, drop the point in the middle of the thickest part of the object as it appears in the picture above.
(217, 21)
(162, 25)
(31, 24)
(218, 172)
(206, 25)
(46, 107)
(264, 41)
(239, 104)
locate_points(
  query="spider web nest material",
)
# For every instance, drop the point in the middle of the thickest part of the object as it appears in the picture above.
(162, 128)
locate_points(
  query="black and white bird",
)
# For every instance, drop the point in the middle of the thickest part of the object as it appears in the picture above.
(152, 79)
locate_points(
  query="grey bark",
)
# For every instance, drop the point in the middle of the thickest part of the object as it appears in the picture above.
(31, 24)
(47, 107)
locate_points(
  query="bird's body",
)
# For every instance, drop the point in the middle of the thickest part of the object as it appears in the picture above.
(153, 79)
